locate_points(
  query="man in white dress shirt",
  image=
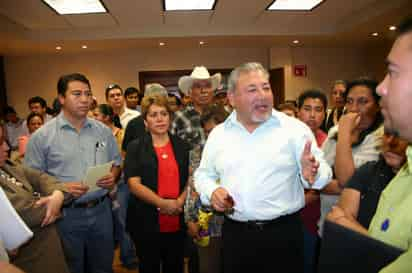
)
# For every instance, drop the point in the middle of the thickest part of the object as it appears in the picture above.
(114, 97)
(263, 160)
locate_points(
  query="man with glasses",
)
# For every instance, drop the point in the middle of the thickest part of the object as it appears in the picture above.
(66, 147)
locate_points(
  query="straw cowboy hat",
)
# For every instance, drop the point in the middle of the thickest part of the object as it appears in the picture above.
(198, 73)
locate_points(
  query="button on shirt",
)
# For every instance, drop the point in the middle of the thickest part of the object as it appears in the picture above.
(260, 170)
(394, 209)
(59, 150)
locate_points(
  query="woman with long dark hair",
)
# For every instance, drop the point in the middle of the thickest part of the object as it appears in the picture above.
(356, 139)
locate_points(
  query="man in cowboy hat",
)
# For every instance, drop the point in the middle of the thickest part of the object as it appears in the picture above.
(200, 87)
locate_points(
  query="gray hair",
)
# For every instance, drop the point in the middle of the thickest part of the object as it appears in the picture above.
(242, 69)
(155, 89)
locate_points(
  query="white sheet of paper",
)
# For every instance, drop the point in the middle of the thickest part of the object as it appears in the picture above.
(13, 231)
(95, 173)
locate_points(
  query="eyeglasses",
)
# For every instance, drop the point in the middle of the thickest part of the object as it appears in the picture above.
(113, 86)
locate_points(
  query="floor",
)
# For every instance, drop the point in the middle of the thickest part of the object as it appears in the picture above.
(117, 265)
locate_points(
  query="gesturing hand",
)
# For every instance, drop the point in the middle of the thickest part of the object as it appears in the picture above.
(309, 164)
(53, 205)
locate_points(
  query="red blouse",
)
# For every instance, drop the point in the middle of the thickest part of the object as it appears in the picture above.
(168, 184)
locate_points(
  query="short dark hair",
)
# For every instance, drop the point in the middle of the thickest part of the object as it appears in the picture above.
(38, 99)
(32, 115)
(106, 109)
(9, 110)
(131, 90)
(405, 26)
(178, 100)
(287, 106)
(64, 81)
(364, 81)
(213, 112)
(312, 94)
(110, 87)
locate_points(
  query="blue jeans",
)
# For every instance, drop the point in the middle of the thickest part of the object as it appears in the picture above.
(127, 248)
(87, 236)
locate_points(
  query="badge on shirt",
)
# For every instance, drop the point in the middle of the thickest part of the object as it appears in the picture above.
(385, 225)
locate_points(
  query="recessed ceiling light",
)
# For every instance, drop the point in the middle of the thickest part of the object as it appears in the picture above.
(84, 46)
(392, 28)
(161, 44)
(296, 41)
(294, 4)
(375, 34)
(173, 5)
(58, 47)
(76, 6)
(201, 43)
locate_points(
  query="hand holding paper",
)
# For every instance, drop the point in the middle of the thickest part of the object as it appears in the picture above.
(106, 182)
(99, 176)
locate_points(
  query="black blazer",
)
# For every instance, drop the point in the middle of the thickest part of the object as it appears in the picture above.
(141, 161)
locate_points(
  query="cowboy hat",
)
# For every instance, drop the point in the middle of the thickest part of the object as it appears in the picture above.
(198, 73)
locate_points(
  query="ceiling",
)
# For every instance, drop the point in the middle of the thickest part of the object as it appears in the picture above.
(31, 27)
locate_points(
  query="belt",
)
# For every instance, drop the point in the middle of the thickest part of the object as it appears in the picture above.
(260, 224)
(88, 204)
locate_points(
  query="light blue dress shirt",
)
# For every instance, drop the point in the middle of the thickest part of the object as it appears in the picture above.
(260, 170)
(59, 150)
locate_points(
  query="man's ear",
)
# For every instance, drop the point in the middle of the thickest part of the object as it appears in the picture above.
(230, 97)
(61, 99)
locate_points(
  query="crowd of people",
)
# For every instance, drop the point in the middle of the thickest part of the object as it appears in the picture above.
(215, 173)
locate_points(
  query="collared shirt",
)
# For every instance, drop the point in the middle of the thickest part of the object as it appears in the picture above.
(368, 150)
(392, 222)
(127, 115)
(14, 130)
(260, 170)
(59, 150)
(186, 125)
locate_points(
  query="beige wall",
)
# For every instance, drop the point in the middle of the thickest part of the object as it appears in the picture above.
(324, 65)
(37, 75)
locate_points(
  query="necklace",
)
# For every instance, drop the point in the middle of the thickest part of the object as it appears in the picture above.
(162, 152)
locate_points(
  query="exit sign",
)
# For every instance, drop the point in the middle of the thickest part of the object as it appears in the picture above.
(300, 70)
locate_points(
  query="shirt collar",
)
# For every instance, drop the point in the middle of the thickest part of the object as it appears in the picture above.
(126, 112)
(64, 123)
(274, 119)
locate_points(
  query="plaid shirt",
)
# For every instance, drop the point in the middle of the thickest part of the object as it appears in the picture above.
(186, 125)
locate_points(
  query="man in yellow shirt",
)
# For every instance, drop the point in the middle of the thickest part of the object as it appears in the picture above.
(392, 222)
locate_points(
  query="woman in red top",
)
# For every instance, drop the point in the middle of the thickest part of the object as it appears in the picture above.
(156, 168)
